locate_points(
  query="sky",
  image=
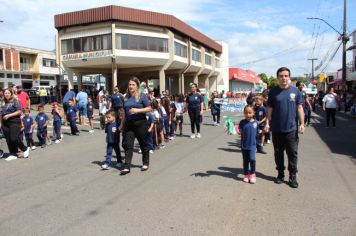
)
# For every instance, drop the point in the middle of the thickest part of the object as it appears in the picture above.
(262, 35)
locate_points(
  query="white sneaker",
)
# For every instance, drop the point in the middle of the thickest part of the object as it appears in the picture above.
(10, 158)
(26, 153)
(218, 124)
(57, 141)
(91, 131)
(151, 151)
(215, 124)
(192, 136)
(198, 135)
(33, 147)
(268, 141)
(140, 151)
(49, 143)
(119, 165)
(105, 167)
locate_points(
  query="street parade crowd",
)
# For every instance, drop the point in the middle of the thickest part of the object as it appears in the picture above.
(153, 119)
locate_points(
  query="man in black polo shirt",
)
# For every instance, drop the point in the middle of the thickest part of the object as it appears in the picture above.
(284, 103)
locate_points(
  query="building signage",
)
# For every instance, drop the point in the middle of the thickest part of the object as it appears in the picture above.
(85, 55)
(231, 104)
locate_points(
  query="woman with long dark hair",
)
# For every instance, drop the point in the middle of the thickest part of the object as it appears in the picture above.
(134, 125)
(195, 110)
(11, 125)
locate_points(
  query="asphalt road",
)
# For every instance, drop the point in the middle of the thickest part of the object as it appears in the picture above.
(193, 187)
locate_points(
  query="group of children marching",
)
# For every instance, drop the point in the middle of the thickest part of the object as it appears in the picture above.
(41, 121)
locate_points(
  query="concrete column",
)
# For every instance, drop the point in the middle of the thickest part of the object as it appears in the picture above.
(162, 80)
(196, 78)
(80, 81)
(70, 80)
(113, 74)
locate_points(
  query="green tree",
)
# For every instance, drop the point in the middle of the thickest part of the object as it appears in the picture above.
(264, 78)
(273, 82)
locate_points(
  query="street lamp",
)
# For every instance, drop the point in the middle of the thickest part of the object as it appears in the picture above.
(343, 36)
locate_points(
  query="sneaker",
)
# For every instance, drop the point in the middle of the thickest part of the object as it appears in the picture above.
(162, 146)
(33, 147)
(26, 153)
(57, 141)
(192, 136)
(140, 151)
(198, 135)
(119, 165)
(279, 179)
(293, 181)
(218, 124)
(253, 178)
(50, 142)
(215, 124)
(151, 151)
(11, 158)
(91, 131)
(105, 167)
(144, 168)
(268, 141)
(261, 151)
(246, 178)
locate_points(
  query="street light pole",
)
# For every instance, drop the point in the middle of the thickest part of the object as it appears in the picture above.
(343, 36)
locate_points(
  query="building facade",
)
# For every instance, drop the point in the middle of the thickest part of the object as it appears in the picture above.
(121, 42)
(242, 80)
(27, 66)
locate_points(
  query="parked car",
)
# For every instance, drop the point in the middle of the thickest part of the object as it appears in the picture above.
(34, 96)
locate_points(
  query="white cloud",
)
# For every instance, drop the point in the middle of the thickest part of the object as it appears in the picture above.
(253, 31)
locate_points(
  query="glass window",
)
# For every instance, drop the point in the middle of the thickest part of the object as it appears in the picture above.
(180, 50)
(124, 41)
(26, 76)
(77, 45)
(85, 42)
(106, 42)
(207, 59)
(152, 44)
(9, 76)
(143, 43)
(98, 43)
(162, 45)
(2, 75)
(196, 55)
(133, 42)
(16, 76)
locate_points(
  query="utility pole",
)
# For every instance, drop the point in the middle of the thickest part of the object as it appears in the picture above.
(344, 38)
(312, 60)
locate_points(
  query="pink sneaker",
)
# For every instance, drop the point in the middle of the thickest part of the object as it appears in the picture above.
(246, 178)
(253, 178)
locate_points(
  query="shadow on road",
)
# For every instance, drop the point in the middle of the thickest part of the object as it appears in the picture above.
(229, 172)
(340, 140)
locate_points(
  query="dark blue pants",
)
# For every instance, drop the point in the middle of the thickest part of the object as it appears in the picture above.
(150, 140)
(109, 149)
(73, 127)
(42, 135)
(166, 126)
(57, 129)
(43, 100)
(172, 128)
(216, 115)
(249, 161)
(29, 140)
(307, 116)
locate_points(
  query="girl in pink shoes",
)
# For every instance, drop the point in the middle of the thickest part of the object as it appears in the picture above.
(249, 132)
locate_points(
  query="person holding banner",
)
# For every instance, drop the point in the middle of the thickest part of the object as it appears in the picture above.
(284, 103)
(195, 107)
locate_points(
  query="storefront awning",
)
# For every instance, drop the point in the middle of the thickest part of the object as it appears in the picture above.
(243, 75)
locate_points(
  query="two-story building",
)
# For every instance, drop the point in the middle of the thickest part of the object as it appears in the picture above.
(27, 66)
(121, 42)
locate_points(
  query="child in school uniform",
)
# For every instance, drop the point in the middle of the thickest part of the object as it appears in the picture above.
(260, 116)
(158, 132)
(28, 123)
(249, 131)
(57, 115)
(90, 114)
(103, 108)
(42, 121)
(111, 142)
(72, 117)
(150, 125)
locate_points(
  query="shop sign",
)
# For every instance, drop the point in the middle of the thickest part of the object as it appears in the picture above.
(86, 55)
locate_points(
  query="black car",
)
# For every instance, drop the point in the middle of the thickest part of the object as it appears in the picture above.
(34, 96)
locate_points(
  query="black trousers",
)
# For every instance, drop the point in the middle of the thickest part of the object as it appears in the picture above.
(194, 120)
(135, 129)
(330, 113)
(11, 129)
(289, 142)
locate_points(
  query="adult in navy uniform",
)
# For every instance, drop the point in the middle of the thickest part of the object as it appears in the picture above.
(195, 109)
(134, 125)
(284, 103)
